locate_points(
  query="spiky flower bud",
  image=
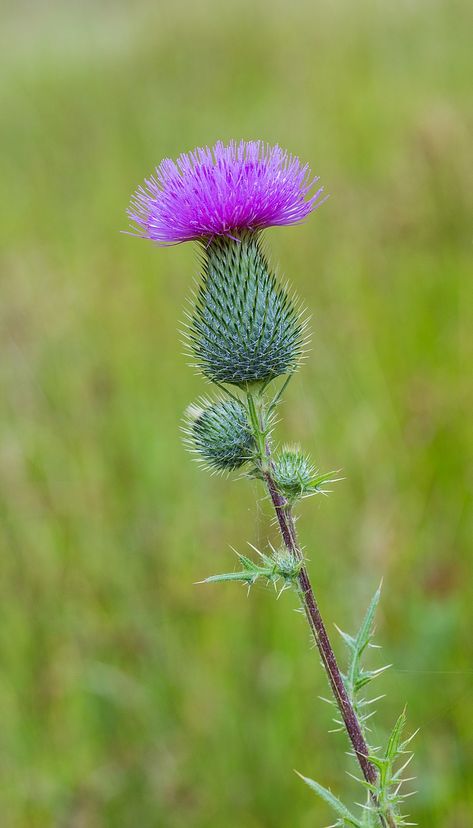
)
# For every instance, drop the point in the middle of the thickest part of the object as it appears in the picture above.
(218, 432)
(293, 472)
(245, 327)
(297, 477)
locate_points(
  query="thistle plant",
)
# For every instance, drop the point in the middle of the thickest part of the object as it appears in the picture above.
(246, 333)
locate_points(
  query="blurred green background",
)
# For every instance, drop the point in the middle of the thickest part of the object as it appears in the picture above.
(128, 695)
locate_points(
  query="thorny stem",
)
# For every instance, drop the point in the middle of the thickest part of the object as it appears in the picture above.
(287, 528)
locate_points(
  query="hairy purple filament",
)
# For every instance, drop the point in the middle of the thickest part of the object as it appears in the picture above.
(223, 189)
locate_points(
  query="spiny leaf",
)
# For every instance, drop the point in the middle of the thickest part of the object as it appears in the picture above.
(321, 480)
(348, 639)
(393, 746)
(365, 632)
(333, 801)
(356, 676)
(279, 565)
(389, 782)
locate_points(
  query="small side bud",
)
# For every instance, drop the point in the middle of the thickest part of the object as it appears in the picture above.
(219, 433)
(293, 472)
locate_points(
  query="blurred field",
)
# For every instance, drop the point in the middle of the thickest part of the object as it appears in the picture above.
(129, 697)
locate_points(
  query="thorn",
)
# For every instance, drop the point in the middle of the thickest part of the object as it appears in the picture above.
(402, 769)
(407, 741)
(367, 702)
(356, 778)
(327, 701)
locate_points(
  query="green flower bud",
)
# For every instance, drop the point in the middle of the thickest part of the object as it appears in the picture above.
(244, 328)
(219, 433)
(296, 477)
(293, 473)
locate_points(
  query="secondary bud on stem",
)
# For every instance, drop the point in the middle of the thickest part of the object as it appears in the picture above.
(292, 473)
(218, 432)
(296, 477)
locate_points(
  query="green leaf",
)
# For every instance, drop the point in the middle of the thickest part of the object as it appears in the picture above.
(279, 565)
(247, 563)
(393, 748)
(333, 801)
(317, 482)
(356, 677)
(245, 576)
(366, 630)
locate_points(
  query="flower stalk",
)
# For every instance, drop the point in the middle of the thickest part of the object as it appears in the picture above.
(287, 528)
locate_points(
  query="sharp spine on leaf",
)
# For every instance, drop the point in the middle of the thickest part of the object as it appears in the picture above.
(279, 565)
(384, 800)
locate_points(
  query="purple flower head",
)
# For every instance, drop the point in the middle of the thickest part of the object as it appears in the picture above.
(220, 190)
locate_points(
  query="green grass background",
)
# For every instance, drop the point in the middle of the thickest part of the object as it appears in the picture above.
(129, 697)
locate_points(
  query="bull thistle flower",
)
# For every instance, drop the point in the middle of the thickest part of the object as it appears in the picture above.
(245, 332)
(218, 191)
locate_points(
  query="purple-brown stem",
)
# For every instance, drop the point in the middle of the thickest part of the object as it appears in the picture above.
(319, 632)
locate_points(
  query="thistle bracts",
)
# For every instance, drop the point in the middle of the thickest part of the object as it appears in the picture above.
(245, 328)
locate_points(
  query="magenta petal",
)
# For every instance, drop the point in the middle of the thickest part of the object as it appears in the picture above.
(223, 189)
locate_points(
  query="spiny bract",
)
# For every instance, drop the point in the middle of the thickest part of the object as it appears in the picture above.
(219, 433)
(245, 328)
